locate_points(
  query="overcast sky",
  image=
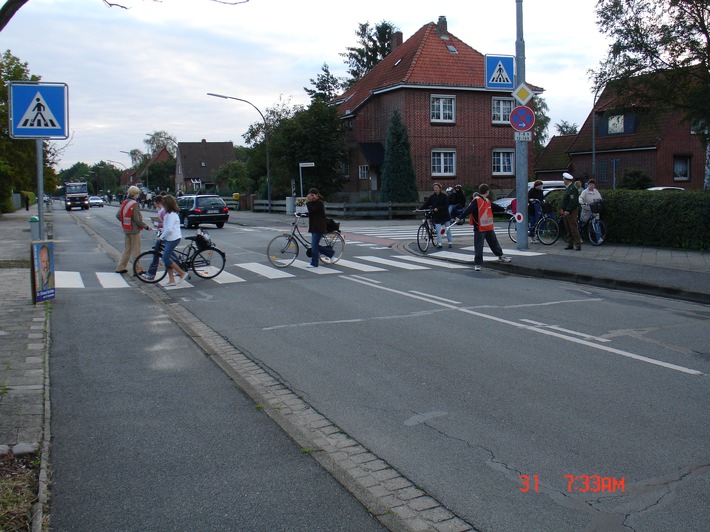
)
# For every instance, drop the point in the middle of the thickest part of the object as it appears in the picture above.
(132, 72)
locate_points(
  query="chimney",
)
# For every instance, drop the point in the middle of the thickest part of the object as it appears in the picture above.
(396, 40)
(441, 26)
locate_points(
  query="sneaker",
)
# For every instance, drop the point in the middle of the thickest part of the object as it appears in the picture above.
(180, 279)
(450, 245)
(438, 246)
(311, 266)
(121, 271)
(503, 258)
(149, 277)
(171, 283)
(477, 268)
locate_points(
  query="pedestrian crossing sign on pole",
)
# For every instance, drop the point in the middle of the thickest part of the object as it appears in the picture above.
(500, 72)
(38, 110)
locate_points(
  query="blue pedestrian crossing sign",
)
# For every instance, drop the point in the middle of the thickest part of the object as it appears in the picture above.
(38, 110)
(500, 72)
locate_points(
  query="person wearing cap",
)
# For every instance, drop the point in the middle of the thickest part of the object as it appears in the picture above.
(129, 214)
(481, 212)
(438, 202)
(570, 212)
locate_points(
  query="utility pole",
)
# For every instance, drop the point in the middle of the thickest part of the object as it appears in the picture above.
(521, 146)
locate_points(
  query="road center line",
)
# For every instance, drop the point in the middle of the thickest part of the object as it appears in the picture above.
(539, 330)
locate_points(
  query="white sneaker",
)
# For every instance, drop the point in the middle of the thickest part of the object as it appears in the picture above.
(503, 258)
(180, 280)
(477, 268)
(311, 266)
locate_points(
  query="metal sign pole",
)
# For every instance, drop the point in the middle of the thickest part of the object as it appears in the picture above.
(40, 186)
(521, 147)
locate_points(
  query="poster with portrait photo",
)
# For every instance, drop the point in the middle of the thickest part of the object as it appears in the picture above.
(42, 270)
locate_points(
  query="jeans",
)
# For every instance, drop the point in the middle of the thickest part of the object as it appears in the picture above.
(535, 217)
(316, 250)
(438, 232)
(156, 258)
(490, 237)
(168, 251)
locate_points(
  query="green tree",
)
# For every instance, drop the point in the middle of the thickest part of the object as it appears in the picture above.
(399, 180)
(326, 85)
(565, 128)
(540, 136)
(234, 176)
(19, 156)
(660, 54)
(160, 175)
(375, 43)
(157, 140)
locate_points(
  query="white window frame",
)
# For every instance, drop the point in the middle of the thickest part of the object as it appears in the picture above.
(363, 171)
(684, 159)
(503, 161)
(501, 109)
(440, 106)
(443, 162)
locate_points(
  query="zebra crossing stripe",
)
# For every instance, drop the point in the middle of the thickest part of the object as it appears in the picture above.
(393, 263)
(320, 270)
(343, 263)
(264, 271)
(432, 262)
(111, 280)
(227, 278)
(69, 279)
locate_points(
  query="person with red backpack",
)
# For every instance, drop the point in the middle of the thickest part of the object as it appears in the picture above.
(481, 213)
(129, 214)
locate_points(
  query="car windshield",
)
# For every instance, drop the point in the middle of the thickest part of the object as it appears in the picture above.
(213, 202)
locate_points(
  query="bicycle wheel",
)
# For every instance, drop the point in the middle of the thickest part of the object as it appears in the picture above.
(512, 229)
(208, 263)
(596, 232)
(149, 267)
(547, 231)
(334, 241)
(282, 250)
(423, 237)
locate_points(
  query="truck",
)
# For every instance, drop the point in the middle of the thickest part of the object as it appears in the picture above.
(76, 195)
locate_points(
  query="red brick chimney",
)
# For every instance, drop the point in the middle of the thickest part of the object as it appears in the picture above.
(441, 26)
(396, 40)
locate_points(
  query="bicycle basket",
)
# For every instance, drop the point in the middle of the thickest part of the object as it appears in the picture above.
(547, 207)
(597, 206)
(203, 240)
(331, 226)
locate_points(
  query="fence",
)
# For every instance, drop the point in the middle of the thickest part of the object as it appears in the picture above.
(349, 210)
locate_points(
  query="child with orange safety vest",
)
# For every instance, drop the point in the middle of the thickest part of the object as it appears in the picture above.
(481, 213)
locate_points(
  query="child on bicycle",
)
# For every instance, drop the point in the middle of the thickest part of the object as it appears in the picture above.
(171, 235)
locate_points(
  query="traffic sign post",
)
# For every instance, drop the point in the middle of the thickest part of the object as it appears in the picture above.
(522, 118)
(38, 111)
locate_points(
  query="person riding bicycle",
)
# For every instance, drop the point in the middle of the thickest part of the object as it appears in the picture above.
(535, 198)
(457, 201)
(171, 235)
(317, 224)
(438, 202)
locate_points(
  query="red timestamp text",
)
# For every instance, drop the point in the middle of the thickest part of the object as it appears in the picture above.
(579, 484)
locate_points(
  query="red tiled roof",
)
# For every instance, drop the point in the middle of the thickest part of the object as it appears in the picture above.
(424, 60)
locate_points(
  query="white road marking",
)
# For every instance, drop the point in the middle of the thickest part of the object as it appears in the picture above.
(432, 262)
(431, 296)
(568, 331)
(111, 280)
(64, 279)
(393, 263)
(343, 263)
(264, 271)
(539, 330)
(227, 278)
(320, 270)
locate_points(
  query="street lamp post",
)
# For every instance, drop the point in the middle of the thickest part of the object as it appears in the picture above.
(266, 139)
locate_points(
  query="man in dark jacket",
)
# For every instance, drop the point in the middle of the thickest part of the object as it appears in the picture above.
(317, 223)
(570, 212)
(438, 202)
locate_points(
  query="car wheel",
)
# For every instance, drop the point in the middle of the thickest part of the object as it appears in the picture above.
(219, 225)
(185, 223)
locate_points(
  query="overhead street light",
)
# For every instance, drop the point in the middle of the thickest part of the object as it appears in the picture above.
(266, 140)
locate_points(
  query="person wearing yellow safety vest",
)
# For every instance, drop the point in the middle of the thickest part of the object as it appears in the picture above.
(482, 221)
(129, 214)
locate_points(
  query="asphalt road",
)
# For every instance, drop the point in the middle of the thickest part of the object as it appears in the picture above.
(467, 381)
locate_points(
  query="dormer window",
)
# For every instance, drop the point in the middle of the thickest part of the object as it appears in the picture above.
(452, 49)
(203, 164)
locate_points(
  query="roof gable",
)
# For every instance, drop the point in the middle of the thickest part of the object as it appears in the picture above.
(200, 159)
(555, 155)
(432, 56)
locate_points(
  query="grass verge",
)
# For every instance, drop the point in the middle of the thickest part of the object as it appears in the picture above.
(18, 491)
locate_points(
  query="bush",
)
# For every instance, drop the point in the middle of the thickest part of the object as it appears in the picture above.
(655, 218)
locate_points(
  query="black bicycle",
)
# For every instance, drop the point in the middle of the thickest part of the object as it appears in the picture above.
(426, 234)
(594, 229)
(283, 249)
(200, 255)
(546, 230)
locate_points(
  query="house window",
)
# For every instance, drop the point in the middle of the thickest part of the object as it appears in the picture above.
(443, 162)
(602, 171)
(443, 108)
(503, 162)
(681, 168)
(362, 171)
(502, 107)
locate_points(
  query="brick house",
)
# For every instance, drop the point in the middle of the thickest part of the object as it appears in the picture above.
(458, 129)
(197, 162)
(660, 142)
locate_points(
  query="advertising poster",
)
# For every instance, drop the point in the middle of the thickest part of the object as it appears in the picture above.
(42, 270)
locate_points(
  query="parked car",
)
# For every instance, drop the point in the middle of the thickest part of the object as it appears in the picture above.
(502, 205)
(95, 201)
(202, 209)
(665, 188)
